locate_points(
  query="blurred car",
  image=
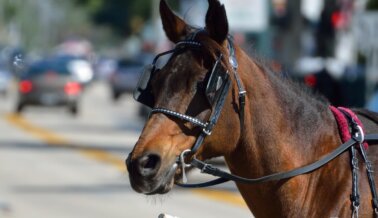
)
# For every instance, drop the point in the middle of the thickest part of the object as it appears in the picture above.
(104, 67)
(49, 83)
(80, 68)
(125, 77)
(5, 80)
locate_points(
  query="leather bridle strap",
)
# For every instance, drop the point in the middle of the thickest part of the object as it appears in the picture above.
(213, 119)
(241, 91)
(225, 176)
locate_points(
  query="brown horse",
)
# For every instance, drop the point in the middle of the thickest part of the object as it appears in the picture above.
(284, 128)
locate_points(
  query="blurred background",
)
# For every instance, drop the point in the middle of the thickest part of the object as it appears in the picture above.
(68, 68)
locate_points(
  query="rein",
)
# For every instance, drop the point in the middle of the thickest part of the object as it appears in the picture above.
(225, 176)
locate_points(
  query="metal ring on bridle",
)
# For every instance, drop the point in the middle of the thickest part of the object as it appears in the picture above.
(182, 158)
(207, 132)
(359, 136)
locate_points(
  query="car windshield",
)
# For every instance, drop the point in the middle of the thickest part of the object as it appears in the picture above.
(58, 67)
(129, 63)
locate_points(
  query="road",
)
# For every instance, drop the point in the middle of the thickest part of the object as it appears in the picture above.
(53, 165)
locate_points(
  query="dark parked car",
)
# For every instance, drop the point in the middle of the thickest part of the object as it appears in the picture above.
(49, 83)
(125, 77)
(5, 80)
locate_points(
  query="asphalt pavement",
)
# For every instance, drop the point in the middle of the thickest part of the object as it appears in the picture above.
(53, 164)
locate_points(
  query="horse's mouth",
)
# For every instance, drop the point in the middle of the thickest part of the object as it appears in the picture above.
(160, 184)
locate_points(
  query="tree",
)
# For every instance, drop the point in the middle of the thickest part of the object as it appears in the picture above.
(372, 5)
(117, 14)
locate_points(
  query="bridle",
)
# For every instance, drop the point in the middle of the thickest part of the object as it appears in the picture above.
(218, 86)
(217, 89)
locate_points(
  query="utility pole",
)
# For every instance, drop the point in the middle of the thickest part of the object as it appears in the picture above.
(292, 36)
(156, 25)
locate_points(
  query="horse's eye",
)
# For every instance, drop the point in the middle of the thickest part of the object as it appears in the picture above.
(200, 85)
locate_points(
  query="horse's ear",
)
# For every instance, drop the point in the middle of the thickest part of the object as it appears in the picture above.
(175, 28)
(216, 21)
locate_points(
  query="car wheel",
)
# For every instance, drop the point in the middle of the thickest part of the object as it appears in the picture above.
(73, 109)
(116, 96)
(20, 107)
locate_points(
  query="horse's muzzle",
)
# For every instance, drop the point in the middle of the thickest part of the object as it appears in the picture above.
(146, 176)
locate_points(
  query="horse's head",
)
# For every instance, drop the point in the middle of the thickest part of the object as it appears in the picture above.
(185, 95)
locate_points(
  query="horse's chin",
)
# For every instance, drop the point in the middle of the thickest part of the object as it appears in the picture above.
(160, 184)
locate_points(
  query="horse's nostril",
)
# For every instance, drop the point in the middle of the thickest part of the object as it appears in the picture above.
(149, 164)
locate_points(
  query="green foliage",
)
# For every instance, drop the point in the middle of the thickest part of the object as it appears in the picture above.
(174, 4)
(141, 8)
(372, 5)
(41, 25)
(117, 14)
(113, 13)
(10, 9)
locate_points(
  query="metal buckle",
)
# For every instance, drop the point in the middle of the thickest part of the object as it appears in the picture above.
(355, 210)
(207, 132)
(208, 168)
(355, 163)
(242, 93)
(233, 62)
(204, 167)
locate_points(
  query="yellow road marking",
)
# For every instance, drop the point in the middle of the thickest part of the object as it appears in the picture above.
(53, 139)
(48, 137)
(223, 196)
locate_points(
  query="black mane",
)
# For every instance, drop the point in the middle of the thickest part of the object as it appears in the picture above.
(303, 108)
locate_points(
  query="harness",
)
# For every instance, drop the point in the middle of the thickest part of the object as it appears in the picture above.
(216, 91)
(349, 125)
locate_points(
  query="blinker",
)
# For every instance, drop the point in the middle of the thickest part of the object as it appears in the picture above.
(143, 92)
(146, 75)
(216, 80)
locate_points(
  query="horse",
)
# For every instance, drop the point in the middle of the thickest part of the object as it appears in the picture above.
(275, 128)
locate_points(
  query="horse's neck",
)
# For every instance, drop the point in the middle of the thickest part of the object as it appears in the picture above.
(283, 130)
